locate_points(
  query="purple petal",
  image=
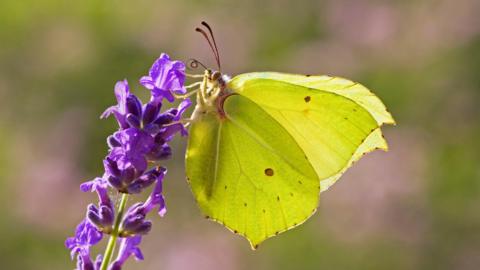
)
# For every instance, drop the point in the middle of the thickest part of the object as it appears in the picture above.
(165, 77)
(86, 235)
(150, 112)
(182, 107)
(156, 198)
(158, 94)
(135, 144)
(108, 112)
(128, 247)
(126, 103)
(122, 91)
(93, 185)
(147, 82)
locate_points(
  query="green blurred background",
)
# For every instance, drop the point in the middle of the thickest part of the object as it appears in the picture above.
(415, 207)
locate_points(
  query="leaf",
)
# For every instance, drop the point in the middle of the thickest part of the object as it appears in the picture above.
(248, 173)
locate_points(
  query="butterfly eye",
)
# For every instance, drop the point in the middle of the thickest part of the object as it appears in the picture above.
(216, 75)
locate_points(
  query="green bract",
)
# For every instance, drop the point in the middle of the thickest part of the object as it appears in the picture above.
(263, 145)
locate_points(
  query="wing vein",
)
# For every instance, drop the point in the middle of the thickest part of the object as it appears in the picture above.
(306, 140)
(234, 147)
(328, 92)
(316, 124)
(217, 151)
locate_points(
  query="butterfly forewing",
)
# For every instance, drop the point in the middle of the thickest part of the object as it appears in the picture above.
(327, 126)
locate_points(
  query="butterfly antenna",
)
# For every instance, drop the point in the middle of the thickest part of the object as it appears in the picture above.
(193, 63)
(214, 42)
(215, 52)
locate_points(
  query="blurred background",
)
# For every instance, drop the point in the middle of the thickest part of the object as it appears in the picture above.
(415, 207)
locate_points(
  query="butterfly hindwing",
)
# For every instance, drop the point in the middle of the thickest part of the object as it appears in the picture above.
(248, 173)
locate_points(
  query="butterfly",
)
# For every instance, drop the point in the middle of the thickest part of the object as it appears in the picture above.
(264, 145)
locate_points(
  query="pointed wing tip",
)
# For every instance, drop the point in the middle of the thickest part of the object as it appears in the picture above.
(254, 244)
(389, 119)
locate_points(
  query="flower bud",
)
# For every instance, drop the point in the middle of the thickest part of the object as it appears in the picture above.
(102, 218)
(150, 112)
(134, 106)
(160, 152)
(113, 142)
(133, 120)
(165, 118)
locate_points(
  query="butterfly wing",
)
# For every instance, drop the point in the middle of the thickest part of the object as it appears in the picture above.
(248, 173)
(335, 121)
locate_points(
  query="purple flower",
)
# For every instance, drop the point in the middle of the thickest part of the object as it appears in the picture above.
(160, 151)
(103, 215)
(156, 197)
(86, 235)
(172, 129)
(127, 161)
(85, 264)
(132, 146)
(119, 179)
(134, 222)
(128, 181)
(128, 247)
(144, 181)
(165, 77)
(100, 186)
(129, 108)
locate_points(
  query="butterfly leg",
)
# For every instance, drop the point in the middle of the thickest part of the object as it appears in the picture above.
(185, 122)
(184, 96)
(193, 85)
(194, 75)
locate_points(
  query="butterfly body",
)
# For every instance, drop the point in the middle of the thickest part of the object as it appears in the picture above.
(211, 94)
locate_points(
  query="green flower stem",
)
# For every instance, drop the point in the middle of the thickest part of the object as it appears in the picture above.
(114, 235)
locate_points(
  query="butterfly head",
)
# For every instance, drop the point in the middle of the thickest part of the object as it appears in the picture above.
(216, 78)
(213, 89)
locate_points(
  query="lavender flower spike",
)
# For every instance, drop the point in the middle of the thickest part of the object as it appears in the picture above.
(165, 77)
(134, 222)
(142, 139)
